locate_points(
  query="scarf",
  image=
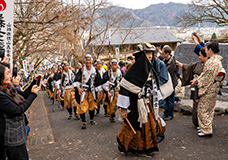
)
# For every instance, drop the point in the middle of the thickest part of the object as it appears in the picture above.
(11, 91)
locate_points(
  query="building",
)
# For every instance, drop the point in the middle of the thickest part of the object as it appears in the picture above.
(128, 39)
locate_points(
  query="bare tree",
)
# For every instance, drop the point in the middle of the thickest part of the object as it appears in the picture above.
(213, 11)
(41, 26)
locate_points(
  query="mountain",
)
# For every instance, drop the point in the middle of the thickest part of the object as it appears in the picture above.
(161, 14)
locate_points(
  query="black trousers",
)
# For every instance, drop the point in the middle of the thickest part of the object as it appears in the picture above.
(113, 115)
(2, 152)
(62, 103)
(70, 110)
(91, 115)
(105, 109)
(17, 153)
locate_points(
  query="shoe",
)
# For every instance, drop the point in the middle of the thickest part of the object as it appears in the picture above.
(97, 114)
(106, 115)
(148, 155)
(69, 118)
(167, 118)
(160, 138)
(204, 135)
(112, 120)
(120, 149)
(164, 116)
(83, 126)
(92, 122)
(76, 117)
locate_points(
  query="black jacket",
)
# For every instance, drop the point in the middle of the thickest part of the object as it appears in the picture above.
(173, 70)
(12, 125)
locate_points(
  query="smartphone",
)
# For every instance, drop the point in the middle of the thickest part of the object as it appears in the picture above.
(2, 53)
(194, 33)
(15, 72)
(38, 81)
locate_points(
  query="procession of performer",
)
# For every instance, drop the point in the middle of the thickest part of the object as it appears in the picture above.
(136, 93)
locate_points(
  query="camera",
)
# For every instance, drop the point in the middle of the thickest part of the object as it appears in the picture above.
(2, 53)
(15, 72)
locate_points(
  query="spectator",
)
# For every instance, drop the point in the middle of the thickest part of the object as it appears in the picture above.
(129, 62)
(198, 42)
(188, 73)
(171, 66)
(179, 90)
(122, 67)
(208, 89)
(12, 125)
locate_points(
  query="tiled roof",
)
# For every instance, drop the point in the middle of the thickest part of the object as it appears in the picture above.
(138, 35)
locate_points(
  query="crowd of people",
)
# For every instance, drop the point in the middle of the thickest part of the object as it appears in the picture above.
(136, 89)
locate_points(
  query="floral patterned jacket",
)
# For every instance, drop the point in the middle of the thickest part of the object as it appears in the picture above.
(206, 80)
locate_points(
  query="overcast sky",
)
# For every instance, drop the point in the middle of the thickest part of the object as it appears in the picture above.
(138, 4)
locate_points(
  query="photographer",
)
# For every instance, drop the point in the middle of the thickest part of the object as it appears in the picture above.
(198, 43)
(13, 105)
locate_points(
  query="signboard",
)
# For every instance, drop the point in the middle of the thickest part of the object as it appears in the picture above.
(117, 49)
(6, 28)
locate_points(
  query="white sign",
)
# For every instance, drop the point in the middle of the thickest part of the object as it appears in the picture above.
(6, 28)
(117, 48)
(25, 68)
(31, 67)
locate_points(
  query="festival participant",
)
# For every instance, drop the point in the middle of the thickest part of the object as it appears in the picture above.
(137, 99)
(67, 85)
(100, 100)
(78, 67)
(87, 96)
(208, 89)
(51, 84)
(111, 86)
(57, 79)
(46, 78)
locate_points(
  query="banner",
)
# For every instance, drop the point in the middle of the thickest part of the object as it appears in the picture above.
(117, 48)
(6, 28)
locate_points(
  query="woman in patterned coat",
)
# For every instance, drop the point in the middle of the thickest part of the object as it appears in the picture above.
(208, 89)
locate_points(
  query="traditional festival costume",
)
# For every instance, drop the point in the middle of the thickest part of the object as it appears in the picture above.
(113, 87)
(67, 83)
(57, 79)
(91, 85)
(100, 100)
(139, 95)
(50, 86)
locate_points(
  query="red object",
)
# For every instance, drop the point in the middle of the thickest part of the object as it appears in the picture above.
(2, 5)
(220, 74)
(4, 86)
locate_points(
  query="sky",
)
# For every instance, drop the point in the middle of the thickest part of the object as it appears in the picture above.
(139, 4)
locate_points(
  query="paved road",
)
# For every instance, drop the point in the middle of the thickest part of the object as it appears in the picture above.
(98, 142)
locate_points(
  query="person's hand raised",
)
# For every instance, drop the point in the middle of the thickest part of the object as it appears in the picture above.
(35, 89)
